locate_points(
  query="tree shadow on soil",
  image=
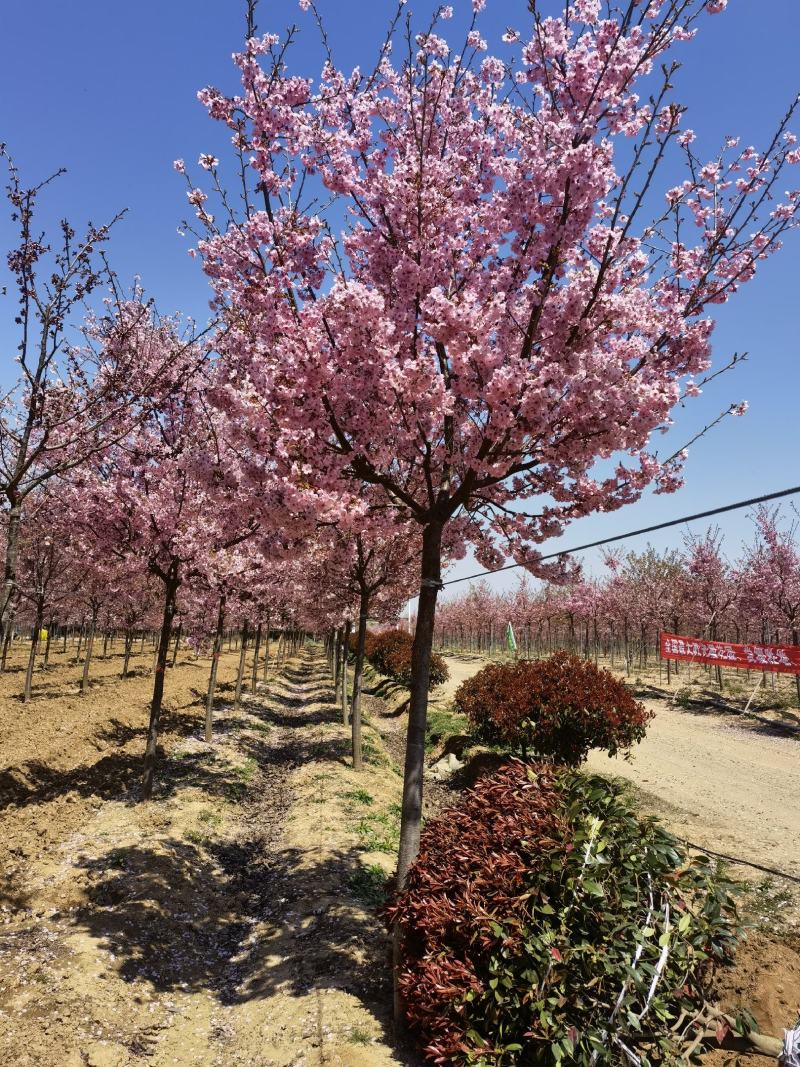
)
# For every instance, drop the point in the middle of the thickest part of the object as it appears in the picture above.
(36, 782)
(172, 721)
(384, 688)
(239, 922)
(709, 703)
(293, 721)
(289, 711)
(184, 913)
(112, 776)
(71, 686)
(241, 919)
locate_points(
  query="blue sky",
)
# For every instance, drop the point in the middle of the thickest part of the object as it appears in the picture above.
(108, 91)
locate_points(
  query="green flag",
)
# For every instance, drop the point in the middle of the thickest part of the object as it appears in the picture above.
(511, 641)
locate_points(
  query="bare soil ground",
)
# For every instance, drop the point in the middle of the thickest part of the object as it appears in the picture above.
(63, 754)
(231, 920)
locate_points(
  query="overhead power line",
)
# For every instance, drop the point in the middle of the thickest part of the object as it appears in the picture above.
(637, 533)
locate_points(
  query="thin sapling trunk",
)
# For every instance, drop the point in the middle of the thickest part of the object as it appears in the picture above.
(127, 657)
(171, 582)
(237, 700)
(345, 650)
(256, 652)
(88, 660)
(37, 629)
(358, 674)
(212, 678)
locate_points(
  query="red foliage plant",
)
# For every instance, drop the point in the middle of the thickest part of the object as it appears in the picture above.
(474, 866)
(390, 654)
(560, 707)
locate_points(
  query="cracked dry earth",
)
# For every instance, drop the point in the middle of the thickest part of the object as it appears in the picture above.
(217, 924)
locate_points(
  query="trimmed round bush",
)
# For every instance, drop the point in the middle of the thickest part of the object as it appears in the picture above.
(390, 650)
(559, 707)
(390, 654)
(544, 923)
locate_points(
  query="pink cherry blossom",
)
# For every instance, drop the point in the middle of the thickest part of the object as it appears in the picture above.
(476, 319)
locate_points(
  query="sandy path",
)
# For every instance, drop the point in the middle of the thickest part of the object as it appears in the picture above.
(723, 785)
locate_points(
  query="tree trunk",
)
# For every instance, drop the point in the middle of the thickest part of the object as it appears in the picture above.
(627, 652)
(257, 650)
(717, 667)
(8, 597)
(128, 649)
(237, 700)
(6, 645)
(212, 678)
(430, 583)
(177, 643)
(171, 584)
(37, 629)
(278, 646)
(88, 660)
(336, 663)
(358, 674)
(345, 651)
(266, 651)
(411, 818)
(47, 642)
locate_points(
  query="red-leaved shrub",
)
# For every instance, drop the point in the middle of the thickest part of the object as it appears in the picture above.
(474, 867)
(390, 654)
(560, 707)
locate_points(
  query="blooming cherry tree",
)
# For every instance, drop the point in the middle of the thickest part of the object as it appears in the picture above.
(502, 321)
(66, 402)
(771, 575)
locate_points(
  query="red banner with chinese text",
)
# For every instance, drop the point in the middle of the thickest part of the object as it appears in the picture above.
(784, 659)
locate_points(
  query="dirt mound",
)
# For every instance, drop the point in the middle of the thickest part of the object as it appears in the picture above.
(766, 982)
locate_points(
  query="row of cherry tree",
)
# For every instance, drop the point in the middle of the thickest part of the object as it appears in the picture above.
(445, 287)
(695, 591)
(160, 534)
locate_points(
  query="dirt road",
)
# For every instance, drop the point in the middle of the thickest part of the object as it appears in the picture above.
(714, 779)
